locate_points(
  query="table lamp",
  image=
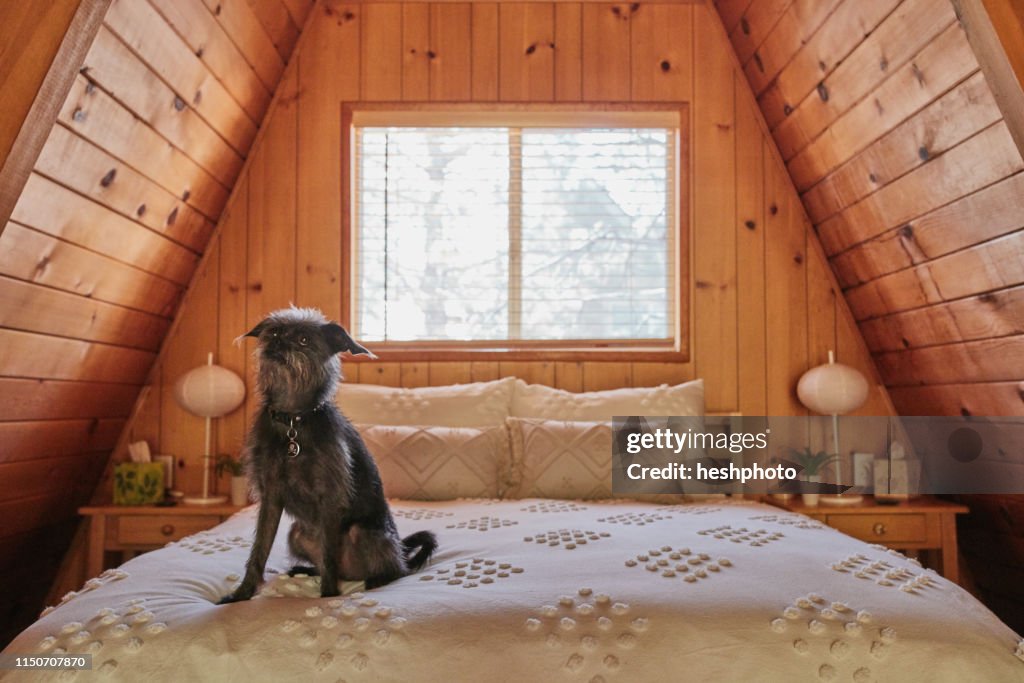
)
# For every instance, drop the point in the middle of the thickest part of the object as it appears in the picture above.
(834, 389)
(209, 391)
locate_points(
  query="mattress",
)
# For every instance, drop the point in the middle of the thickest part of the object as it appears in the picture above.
(538, 590)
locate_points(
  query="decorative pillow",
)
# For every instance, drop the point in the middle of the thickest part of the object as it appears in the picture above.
(439, 463)
(481, 404)
(538, 401)
(559, 459)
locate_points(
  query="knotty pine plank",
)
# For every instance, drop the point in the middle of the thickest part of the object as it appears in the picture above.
(116, 185)
(34, 257)
(245, 30)
(944, 123)
(568, 52)
(205, 36)
(939, 67)
(991, 212)
(381, 55)
(662, 53)
(526, 57)
(51, 399)
(416, 51)
(96, 116)
(911, 28)
(606, 51)
(451, 42)
(26, 354)
(841, 33)
(37, 439)
(484, 52)
(54, 210)
(171, 58)
(32, 308)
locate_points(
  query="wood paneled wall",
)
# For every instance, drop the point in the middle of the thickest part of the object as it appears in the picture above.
(105, 239)
(912, 179)
(765, 306)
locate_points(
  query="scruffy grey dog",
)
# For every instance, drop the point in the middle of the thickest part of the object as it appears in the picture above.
(307, 459)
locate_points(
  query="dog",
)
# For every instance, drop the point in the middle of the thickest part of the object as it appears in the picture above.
(306, 459)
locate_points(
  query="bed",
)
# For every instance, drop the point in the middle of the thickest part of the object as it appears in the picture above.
(541, 574)
(543, 589)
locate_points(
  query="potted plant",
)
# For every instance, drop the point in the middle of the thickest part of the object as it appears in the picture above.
(812, 464)
(239, 482)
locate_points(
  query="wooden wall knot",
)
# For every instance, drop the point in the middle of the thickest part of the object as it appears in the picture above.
(78, 115)
(172, 216)
(918, 74)
(787, 109)
(745, 26)
(702, 284)
(431, 54)
(990, 298)
(773, 209)
(964, 411)
(141, 211)
(41, 265)
(798, 258)
(823, 91)
(197, 98)
(751, 225)
(108, 178)
(185, 195)
(179, 104)
(531, 48)
(200, 52)
(1020, 391)
(906, 232)
(873, 178)
(757, 62)
(256, 286)
(883, 63)
(905, 342)
(923, 153)
(665, 65)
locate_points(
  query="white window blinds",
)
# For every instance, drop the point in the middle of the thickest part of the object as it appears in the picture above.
(491, 234)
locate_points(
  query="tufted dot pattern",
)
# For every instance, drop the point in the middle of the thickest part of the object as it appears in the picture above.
(553, 507)
(755, 538)
(799, 521)
(636, 518)
(886, 574)
(480, 571)
(418, 514)
(569, 539)
(484, 523)
(672, 563)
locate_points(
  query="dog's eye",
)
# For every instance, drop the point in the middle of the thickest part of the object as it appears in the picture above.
(303, 341)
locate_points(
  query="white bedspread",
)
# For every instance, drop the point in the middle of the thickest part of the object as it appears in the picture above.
(542, 590)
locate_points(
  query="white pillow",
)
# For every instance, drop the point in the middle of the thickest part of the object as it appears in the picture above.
(559, 459)
(482, 404)
(536, 400)
(439, 463)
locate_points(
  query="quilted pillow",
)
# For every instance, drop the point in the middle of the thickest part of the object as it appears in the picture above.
(559, 459)
(439, 463)
(481, 404)
(538, 401)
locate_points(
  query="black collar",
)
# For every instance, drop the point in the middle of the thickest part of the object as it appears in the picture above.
(294, 419)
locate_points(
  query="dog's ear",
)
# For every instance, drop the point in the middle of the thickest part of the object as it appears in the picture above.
(258, 330)
(338, 340)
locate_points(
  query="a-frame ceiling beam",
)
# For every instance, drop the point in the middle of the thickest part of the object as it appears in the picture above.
(42, 47)
(995, 29)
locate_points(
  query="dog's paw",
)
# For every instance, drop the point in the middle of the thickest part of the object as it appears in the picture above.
(238, 596)
(327, 591)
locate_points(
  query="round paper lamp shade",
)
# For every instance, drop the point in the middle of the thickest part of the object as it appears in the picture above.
(832, 389)
(209, 391)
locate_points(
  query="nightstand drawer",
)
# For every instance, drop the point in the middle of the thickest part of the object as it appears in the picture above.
(160, 529)
(884, 529)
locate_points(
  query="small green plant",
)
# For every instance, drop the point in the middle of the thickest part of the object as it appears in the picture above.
(812, 462)
(228, 463)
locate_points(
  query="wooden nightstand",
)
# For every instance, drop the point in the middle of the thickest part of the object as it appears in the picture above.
(924, 523)
(131, 529)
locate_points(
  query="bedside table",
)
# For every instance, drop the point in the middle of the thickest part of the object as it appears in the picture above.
(130, 529)
(924, 523)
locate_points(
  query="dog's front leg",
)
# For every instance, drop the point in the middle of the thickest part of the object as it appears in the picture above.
(330, 538)
(266, 530)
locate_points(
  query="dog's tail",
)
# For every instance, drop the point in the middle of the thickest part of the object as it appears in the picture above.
(426, 542)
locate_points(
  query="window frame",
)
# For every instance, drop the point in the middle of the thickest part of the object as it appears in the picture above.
(525, 350)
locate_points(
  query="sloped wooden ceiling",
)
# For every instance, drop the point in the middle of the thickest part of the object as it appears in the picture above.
(104, 240)
(915, 187)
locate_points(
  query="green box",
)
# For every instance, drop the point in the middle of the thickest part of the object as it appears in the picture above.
(138, 483)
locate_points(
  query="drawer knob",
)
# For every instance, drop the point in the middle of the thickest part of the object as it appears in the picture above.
(168, 529)
(879, 529)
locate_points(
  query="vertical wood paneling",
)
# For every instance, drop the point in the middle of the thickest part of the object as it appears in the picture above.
(750, 265)
(484, 52)
(568, 52)
(661, 54)
(232, 314)
(606, 56)
(332, 47)
(714, 239)
(417, 52)
(451, 44)
(381, 59)
(526, 57)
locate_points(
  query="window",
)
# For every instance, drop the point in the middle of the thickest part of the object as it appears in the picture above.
(512, 231)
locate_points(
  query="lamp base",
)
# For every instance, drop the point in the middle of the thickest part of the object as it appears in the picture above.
(844, 499)
(205, 500)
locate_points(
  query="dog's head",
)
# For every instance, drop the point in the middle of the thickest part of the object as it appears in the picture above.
(298, 357)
